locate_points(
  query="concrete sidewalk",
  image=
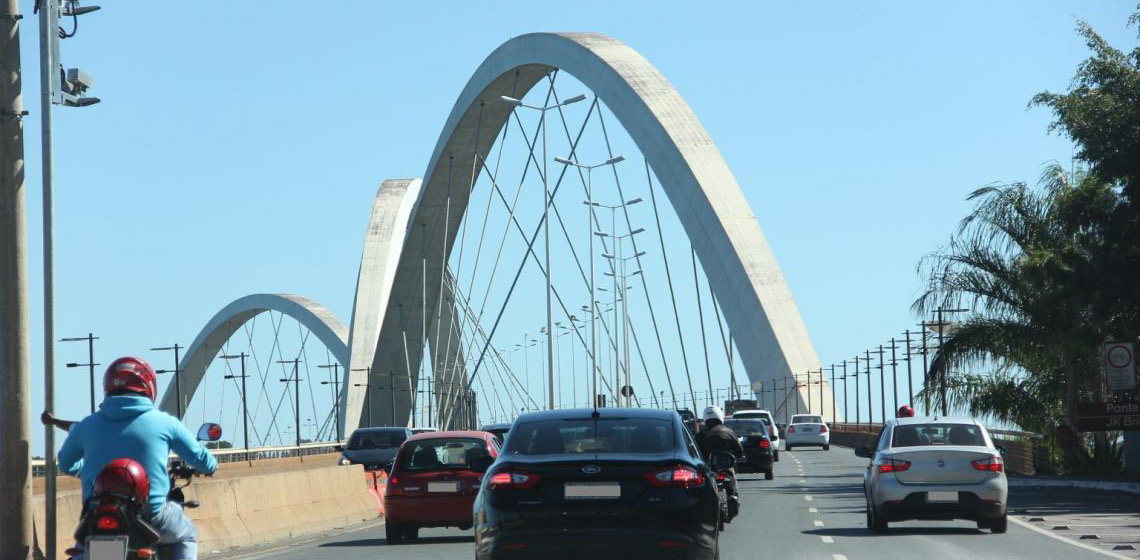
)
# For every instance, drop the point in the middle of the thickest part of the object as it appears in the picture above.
(1106, 519)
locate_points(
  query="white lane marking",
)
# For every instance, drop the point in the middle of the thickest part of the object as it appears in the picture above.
(802, 481)
(838, 557)
(817, 523)
(827, 540)
(813, 510)
(1072, 542)
(808, 498)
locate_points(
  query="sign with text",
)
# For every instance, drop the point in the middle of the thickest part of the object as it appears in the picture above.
(1101, 417)
(1120, 366)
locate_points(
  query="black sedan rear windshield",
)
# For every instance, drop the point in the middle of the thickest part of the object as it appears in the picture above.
(440, 454)
(915, 435)
(747, 427)
(606, 435)
(377, 439)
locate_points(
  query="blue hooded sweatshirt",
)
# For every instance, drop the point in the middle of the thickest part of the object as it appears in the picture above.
(129, 427)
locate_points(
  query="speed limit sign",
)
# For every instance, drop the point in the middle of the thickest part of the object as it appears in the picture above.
(1120, 366)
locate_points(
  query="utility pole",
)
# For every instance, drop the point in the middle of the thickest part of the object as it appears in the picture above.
(15, 382)
(895, 372)
(858, 419)
(834, 417)
(870, 407)
(882, 385)
(909, 376)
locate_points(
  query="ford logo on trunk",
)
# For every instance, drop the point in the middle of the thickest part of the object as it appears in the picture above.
(941, 463)
(591, 469)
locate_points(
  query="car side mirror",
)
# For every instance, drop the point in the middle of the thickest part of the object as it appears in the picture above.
(481, 463)
(209, 432)
(864, 452)
(721, 461)
(338, 447)
(1000, 448)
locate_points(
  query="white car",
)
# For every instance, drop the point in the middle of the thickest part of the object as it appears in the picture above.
(935, 468)
(807, 429)
(774, 433)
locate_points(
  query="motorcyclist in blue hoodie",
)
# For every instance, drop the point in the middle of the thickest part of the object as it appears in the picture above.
(128, 425)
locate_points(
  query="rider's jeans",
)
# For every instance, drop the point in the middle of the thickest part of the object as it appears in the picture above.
(176, 532)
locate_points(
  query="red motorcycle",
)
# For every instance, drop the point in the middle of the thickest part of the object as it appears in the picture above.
(113, 525)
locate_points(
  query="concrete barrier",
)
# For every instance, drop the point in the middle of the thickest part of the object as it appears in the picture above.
(253, 503)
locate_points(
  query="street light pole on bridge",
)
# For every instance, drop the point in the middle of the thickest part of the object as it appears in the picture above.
(177, 375)
(336, 391)
(296, 380)
(90, 338)
(244, 401)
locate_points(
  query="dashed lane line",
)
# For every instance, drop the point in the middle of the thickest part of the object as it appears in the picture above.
(817, 523)
(838, 557)
(813, 510)
(827, 540)
(808, 498)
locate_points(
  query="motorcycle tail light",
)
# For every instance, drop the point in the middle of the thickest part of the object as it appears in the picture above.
(144, 553)
(108, 523)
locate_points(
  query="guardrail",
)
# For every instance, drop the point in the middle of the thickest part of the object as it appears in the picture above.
(234, 455)
(1021, 451)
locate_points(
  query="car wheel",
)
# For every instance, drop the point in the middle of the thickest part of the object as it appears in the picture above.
(768, 475)
(1000, 524)
(411, 533)
(827, 447)
(787, 447)
(393, 532)
(776, 456)
(875, 522)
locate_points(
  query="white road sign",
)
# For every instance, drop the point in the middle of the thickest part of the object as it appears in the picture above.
(1120, 366)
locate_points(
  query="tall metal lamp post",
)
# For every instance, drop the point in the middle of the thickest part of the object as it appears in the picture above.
(90, 339)
(335, 367)
(244, 401)
(296, 380)
(589, 202)
(546, 229)
(177, 374)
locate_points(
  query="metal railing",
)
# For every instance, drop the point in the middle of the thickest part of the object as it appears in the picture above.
(234, 455)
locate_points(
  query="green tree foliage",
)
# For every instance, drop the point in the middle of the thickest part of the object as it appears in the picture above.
(1049, 273)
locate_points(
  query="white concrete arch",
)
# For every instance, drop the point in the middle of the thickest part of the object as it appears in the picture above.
(320, 321)
(743, 273)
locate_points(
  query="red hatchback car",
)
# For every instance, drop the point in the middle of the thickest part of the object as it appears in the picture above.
(431, 483)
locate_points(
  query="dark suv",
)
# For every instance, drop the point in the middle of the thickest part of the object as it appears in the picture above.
(373, 447)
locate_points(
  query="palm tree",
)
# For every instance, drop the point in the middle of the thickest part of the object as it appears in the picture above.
(1025, 262)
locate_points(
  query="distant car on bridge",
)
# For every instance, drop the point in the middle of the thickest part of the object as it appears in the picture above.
(432, 482)
(373, 447)
(807, 429)
(773, 433)
(935, 468)
(499, 430)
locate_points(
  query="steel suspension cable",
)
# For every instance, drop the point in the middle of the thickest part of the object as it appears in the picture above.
(669, 279)
(701, 316)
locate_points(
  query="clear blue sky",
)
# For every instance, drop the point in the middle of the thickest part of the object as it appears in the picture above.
(238, 145)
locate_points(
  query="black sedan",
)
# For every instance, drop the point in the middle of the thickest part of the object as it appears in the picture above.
(753, 436)
(373, 447)
(500, 430)
(611, 483)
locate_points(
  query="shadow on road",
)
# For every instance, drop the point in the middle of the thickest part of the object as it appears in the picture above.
(894, 530)
(421, 540)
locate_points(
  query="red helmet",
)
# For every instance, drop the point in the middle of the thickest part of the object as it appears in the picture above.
(130, 374)
(125, 477)
(905, 411)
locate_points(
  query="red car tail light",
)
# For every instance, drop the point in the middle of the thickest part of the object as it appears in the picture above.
(511, 479)
(823, 428)
(993, 464)
(764, 444)
(791, 429)
(893, 465)
(677, 476)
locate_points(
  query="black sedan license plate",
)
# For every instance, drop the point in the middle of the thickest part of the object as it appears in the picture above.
(592, 490)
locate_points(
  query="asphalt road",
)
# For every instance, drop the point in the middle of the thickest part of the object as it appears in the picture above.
(812, 510)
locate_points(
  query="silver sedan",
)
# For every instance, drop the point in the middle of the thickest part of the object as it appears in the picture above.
(935, 468)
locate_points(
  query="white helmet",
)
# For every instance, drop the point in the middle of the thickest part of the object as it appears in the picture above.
(714, 413)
